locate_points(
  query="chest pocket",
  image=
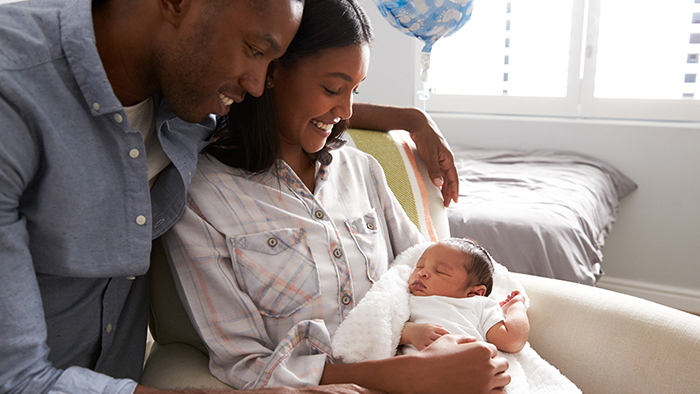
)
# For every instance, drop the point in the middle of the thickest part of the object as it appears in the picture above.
(276, 269)
(369, 239)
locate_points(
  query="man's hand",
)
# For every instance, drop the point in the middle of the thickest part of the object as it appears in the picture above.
(431, 144)
(421, 335)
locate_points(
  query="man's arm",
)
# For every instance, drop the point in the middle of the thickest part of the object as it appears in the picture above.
(431, 145)
(24, 365)
(451, 364)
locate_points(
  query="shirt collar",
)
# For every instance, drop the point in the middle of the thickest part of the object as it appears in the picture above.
(78, 40)
(167, 120)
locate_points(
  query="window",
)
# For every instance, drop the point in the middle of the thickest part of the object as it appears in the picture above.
(623, 59)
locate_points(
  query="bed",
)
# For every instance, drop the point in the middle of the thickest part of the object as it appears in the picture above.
(543, 212)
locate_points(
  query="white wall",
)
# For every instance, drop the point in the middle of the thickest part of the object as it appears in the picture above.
(654, 246)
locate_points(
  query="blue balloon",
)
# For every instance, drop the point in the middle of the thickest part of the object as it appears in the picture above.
(428, 20)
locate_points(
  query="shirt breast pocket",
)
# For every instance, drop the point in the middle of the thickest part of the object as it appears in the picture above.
(369, 239)
(276, 269)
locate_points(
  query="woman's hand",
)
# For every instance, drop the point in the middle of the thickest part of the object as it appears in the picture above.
(450, 365)
(431, 144)
(461, 364)
(436, 153)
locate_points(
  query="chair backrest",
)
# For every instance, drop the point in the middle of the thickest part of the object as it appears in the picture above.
(407, 176)
(169, 321)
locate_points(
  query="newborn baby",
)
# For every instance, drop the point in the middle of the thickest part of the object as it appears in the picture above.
(448, 289)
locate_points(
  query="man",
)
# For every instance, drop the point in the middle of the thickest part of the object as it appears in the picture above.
(95, 162)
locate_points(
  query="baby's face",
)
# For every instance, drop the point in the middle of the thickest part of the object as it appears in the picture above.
(440, 271)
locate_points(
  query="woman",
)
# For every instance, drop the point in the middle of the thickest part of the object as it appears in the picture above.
(283, 235)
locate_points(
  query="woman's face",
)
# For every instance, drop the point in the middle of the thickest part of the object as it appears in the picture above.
(316, 94)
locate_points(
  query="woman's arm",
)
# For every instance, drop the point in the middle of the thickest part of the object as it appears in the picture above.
(451, 364)
(431, 145)
(333, 389)
(511, 334)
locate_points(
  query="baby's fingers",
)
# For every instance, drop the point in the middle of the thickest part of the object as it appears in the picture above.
(440, 330)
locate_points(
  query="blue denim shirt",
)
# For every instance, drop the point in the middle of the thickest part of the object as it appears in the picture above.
(76, 214)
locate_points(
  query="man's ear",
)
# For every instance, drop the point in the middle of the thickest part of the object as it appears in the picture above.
(174, 11)
(272, 69)
(478, 290)
(271, 74)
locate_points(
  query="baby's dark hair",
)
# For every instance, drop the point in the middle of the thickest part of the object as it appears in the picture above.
(480, 268)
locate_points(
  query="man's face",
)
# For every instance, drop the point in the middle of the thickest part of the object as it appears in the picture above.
(218, 54)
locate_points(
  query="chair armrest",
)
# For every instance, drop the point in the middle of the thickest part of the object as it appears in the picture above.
(179, 366)
(610, 342)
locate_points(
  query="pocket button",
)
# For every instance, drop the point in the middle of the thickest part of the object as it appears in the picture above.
(319, 214)
(272, 242)
(370, 226)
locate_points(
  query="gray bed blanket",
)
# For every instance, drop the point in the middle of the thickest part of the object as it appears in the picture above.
(541, 212)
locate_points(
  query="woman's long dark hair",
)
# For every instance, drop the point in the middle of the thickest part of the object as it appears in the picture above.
(248, 136)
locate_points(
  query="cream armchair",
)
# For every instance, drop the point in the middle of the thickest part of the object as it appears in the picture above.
(605, 342)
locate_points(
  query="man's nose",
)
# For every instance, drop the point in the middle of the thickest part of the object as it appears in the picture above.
(254, 82)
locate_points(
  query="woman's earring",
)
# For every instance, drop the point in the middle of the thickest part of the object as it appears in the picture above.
(269, 83)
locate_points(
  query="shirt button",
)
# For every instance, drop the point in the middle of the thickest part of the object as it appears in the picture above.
(319, 214)
(109, 328)
(140, 220)
(96, 106)
(345, 300)
(370, 226)
(118, 118)
(338, 253)
(134, 153)
(272, 242)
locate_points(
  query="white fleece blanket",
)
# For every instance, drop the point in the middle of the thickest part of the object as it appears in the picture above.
(373, 329)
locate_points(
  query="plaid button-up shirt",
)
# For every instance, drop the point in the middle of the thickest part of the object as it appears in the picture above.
(269, 269)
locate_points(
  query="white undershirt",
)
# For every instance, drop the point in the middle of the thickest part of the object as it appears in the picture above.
(142, 117)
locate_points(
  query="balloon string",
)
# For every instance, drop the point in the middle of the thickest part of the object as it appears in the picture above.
(424, 94)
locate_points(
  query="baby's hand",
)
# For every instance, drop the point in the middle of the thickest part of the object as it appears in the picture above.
(422, 335)
(512, 298)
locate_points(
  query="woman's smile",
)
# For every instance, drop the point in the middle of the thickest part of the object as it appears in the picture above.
(323, 129)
